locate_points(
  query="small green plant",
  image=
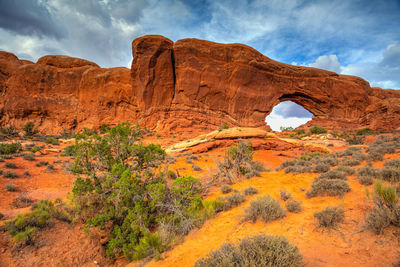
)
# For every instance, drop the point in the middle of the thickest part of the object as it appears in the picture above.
(294, 206)
(257, 251)
(225, 189)
(285, 195)
(328, 187)
(265, 208)
(318, 130)
(196, 167)
(51, 141)
(10, 165)
(364, 131)
(29, 129)
(223, 126)
(330, 217)
(42, 163)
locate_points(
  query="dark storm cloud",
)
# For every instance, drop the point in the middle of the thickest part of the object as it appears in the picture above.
(28, 18)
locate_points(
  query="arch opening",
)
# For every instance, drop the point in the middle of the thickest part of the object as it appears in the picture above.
(288, 114)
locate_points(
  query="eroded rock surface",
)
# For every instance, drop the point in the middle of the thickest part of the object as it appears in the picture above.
(191, 85)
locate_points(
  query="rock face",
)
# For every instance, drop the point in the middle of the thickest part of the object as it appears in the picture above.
(188, 85)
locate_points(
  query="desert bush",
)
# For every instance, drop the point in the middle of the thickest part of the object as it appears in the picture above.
(265, 208)
(10, 187)
(355, 140)
(51, 141)
(250, 191)
(285, 195)
(391, 170)
(196, 167)
(328, 187)
(386, 210)
(50, 167)
(225, 189)
(287, 163)
(366, 174)
(232, 200)
(171, 175)
(10, 165)
(10, 174)
(10, 148)
(333, 174)
(29, 157)
(375, 156)
(346, 169)
(238, 162)
(42, 163)
(330, 216)
(318, 130)
(257, 251)
(294, 206)
(29, 129)
(322, 167)
(9, 131)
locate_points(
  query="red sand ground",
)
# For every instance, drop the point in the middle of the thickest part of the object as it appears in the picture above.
(67, 244)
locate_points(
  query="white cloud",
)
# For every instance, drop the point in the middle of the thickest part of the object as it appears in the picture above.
(287, 114)
(276, 121)
(327, 62)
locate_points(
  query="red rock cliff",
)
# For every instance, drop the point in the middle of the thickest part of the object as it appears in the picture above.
(190, 84)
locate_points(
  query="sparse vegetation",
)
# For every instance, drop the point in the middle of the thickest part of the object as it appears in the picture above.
(10, 165)
(10, 148)
(29, 157)
(10, 187)
(328, 187)
(104, 128)
(294, 206)
(223, 126)
(196, 167)
(238, 162)
(232, 200)
(42, 163)
(30, 129)
(367, 174)
(225, 189)
(318, 130)
(250, 191)
(257, 251)
(27, 173)
(364, 131)
(51, 141)
(10, 174)
(285, 195)
(265, 208)
(330, 217)
(386, 210)
(391, 171)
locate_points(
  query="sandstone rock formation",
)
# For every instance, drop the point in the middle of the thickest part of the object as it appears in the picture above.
(188, 85)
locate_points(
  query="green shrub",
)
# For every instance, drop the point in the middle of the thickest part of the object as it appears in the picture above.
(51, 141)
(318, 130)
(225, 189)
(322, 167)
(346, 169)
(265, 208)
(294, 206)
(10, 187)
(390, 174)
(328, 187)
(224, 126)
(364, 131)
(238, 162)
(10, 148)
(333, 174)
(27, 174)
(25, 225)
(196, 167)
(330, 216)
(29, 129)
(104, 128)
(250, 191)
(366, 175)
(50, 167)
(257, 251)
(378, 219)
(29, 157)
(171, 175)
(69, 150)
(10, 165)
(355, 140)
(10, 174)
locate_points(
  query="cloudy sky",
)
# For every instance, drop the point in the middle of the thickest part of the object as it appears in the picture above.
(346, 36)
